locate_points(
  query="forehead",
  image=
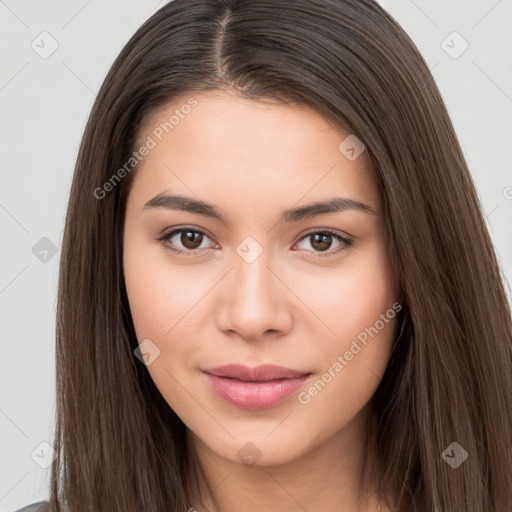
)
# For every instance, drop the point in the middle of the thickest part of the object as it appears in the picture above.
(239, 151)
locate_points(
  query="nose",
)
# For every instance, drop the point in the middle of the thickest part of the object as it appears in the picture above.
(254, 301)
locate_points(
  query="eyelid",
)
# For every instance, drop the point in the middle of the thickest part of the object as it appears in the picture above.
(345, 240)
(168, 234)
(342, 234)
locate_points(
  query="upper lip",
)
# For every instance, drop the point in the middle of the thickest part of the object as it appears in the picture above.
(262, 372)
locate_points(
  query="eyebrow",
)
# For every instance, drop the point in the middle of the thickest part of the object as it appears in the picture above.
(191, 205)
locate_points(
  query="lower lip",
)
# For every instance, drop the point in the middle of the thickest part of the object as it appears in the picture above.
(254, 395)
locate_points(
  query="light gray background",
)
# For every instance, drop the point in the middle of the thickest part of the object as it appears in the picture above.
(44, 104)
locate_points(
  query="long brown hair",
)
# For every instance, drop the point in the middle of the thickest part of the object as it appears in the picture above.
(119, 445)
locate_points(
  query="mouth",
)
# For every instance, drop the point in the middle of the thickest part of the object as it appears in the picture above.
(260, 387)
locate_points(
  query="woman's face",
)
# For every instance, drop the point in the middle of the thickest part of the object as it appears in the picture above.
(265, 283)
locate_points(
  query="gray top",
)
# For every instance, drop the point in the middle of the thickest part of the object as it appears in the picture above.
(40, 506)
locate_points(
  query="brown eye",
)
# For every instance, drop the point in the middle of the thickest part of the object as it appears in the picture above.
(191, 239)
(321, 242)
(185, 241)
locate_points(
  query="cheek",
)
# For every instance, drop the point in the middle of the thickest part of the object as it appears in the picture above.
(352, 299)
(162, 300)
(160, 297)
(360, 307)
(169, 306)
(146, 295)
(362, 311)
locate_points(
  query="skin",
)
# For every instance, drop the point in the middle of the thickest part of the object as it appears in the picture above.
(290, 307)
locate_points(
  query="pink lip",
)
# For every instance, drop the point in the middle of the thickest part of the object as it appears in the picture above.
(260, 387)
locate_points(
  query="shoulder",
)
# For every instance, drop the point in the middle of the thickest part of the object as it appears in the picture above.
(40, 506)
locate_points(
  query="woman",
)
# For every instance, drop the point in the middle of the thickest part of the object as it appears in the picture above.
(277, 289)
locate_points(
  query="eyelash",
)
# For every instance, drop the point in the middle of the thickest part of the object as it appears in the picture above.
(345, 242)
